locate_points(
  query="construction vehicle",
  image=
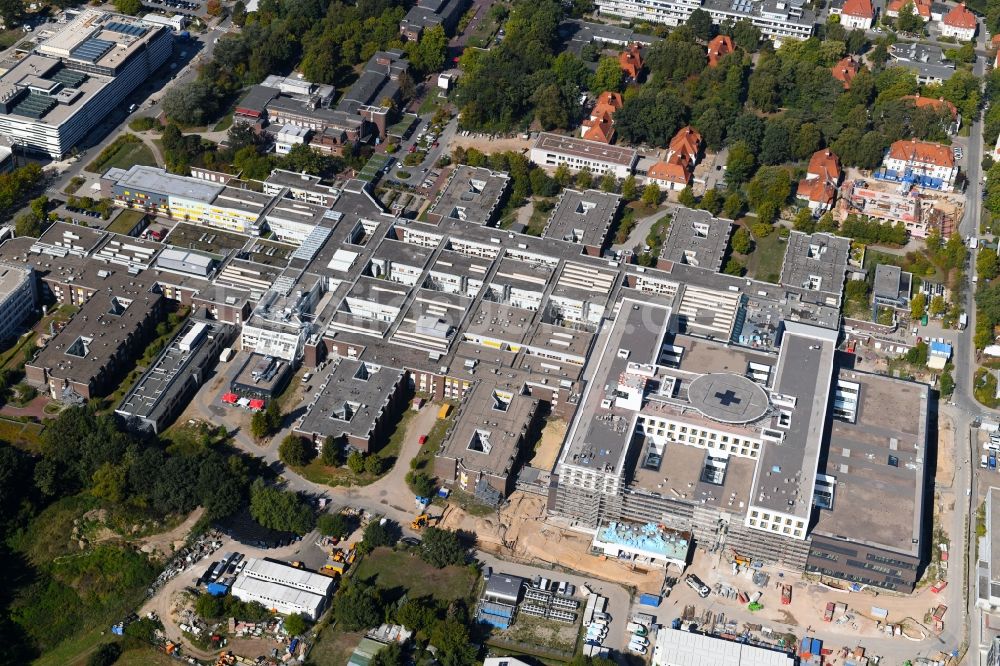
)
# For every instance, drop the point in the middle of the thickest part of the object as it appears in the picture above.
(786, 594)
(332, 570)
(351, 555)
(298, 565)
(420, 522)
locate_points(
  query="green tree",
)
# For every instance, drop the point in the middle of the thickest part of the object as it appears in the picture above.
(733, 206)
(608, 182)
(608, 76)
(650, 117)
(918, 304)
(584, 179)
(130, 7)
(711, 201)
(741, 241)
(746, 35)
(28, 224)
(379, 533)
(209, 607)
(740, 164)
(258, 425)
(987, 265)
(686, 197)
(280, 510)
(333, 451)
(770, 186)
(908, 20)
(630, 190)
(295, 451)
(11, 12)
(441, 547)
(374, 465)
(356, 462)
(651, 195)
(334, 525)
(428, 55)
(947, 384)
(416, 614)
(700, 23)
(296, 624)
(938, 306)
(357, 607)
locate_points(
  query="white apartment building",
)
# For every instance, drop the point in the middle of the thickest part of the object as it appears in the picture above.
(77, 74)
(776, 19)
(18, 296)
(551, 150)
(932, 165)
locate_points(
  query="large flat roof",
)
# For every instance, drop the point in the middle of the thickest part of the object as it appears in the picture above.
(684, 648)
(351, 399)
(786, 472)
(592, 150)
(153, 179)
(816, 263)
(879, 463)
(582, 217)
(471, 194)
(696, 238)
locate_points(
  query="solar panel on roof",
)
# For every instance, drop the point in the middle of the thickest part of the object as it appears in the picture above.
(68, 77)
(126, 28)
(92, 50)
(34, 106)
(312, 244)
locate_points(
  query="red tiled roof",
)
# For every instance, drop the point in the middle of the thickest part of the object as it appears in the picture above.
(720, 45)
(600, 131)
(920, 7)
(960, 17)
(845, 71)
(675, 169)
(923, 152)
(687, 141)
(816, 190)
(609, 98)
(630, 60)
(920, 102)
(862, 8)
(824, 165)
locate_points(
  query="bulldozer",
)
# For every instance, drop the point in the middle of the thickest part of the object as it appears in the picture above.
(420, 522)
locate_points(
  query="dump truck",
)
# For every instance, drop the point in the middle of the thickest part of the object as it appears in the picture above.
(828, 614)
(332, 570)
(786, 594)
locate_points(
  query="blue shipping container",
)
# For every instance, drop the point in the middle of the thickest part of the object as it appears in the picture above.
(817, 646)
(650, 600)
(993, 462)
(217, 589)
(291, 646)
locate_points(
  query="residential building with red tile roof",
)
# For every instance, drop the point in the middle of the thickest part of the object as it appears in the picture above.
(599, 126)
(673, 173)
(721, 45)
(939, 104)
(687, 141)
(921, 8)
(845, 71)
(959, 23)
(857, 14)
(927, 164)
(630, 61)
(819, 188)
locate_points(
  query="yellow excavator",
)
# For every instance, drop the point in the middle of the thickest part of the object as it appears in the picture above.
(420, 522)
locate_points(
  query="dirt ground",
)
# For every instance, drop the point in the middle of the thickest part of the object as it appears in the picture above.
(945, 472)
(549, 444)
(166, 543)
(254, 647)
(485, 144)
(523, 534)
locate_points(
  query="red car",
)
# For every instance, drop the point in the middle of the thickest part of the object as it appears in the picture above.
(422, 440)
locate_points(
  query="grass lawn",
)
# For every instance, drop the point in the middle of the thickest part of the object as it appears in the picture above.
(403, 570)
(333, 648)
(145, 657)
(431, 102)
(26, 434)
(766, 258)
(225, 123)
(9, 37)
(127, 155)
(434, 438)
(125, 221)
(317, 472)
